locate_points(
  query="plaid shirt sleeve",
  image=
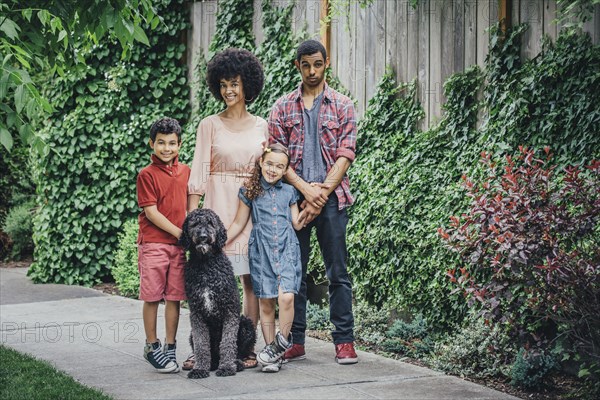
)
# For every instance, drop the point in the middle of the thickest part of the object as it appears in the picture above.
(277, 132)
(347, 138)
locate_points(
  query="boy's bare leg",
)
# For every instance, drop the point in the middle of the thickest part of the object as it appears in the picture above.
(149, 315)
(267, 319)
(172, 309)
(286, 312)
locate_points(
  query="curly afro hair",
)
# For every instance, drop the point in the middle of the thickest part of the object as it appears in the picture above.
(165, 126)
(233, 62)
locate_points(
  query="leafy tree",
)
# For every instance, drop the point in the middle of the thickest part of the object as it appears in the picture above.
(54, 36)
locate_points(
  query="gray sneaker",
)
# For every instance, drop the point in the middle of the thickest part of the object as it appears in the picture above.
(154, 355)
(274, 351)
(170, 350)
(274, 367)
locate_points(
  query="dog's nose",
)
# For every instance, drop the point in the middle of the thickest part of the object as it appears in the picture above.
(203, 237)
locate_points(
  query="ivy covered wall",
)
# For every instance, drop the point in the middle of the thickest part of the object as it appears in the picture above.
(98, 141)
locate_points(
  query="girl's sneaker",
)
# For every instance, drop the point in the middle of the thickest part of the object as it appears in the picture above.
(154, 355)
(274, 367)
(274, 351)
(170, 351)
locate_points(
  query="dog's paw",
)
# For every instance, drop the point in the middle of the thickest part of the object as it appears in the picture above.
(225, 372)
(198, 374)
(239, 365)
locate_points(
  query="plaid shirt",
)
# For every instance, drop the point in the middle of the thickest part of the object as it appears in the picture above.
(337, 132)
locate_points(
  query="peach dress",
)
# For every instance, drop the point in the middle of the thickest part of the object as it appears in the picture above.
(223, 159)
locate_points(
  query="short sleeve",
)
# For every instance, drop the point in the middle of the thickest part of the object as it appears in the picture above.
(146, 192)
(295, 196)
(243, 198)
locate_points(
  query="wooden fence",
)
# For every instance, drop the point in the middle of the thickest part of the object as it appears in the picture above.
(429, 42)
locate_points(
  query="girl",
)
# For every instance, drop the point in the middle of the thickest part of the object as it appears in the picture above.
(273, 249)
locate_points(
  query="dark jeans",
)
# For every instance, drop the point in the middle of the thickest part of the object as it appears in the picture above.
(331, 234)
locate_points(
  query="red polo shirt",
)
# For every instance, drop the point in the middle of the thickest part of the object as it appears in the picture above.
(166, 187)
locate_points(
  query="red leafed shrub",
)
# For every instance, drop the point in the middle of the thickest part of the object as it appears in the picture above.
(530, 243)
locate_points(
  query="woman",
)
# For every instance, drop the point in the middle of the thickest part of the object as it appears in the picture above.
(227, 147)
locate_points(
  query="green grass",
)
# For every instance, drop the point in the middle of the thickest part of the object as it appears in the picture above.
(24, 377)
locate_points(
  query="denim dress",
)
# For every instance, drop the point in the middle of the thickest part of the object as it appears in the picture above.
(273, 248)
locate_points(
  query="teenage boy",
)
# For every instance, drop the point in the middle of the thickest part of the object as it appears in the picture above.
(318, 126)
(162, 194)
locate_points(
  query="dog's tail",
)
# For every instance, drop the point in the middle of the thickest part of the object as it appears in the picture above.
(246, 338)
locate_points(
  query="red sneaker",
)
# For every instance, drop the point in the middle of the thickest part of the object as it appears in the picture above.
(294, 353)
(345, 354)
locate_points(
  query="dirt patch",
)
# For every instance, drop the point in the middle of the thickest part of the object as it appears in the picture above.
(25, 263)
(108, 287)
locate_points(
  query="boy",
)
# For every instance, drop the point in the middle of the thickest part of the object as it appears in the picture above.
(162, 194)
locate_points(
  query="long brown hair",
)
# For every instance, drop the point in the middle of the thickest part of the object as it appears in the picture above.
(253, 187)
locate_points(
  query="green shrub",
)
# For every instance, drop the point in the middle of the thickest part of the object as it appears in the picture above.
(19, 227)
(317, 317)
(477, 349)
(370, 322)
(125, 269)
(531, 367)
(409, 338)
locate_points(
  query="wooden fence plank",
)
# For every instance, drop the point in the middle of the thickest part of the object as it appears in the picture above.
(381, 43)
(470, 33)
(392, 31)
(549, 15)
(313, 12)
(530, 13)
(351, 50)
(515, 12)
(412, 54)
(370, 51)
(593, 25)
(360, 67)
(435, 60)
(447, 42)
(334, 56)
(402, 41)
(459, 36)
(423, 59)
(482, 23)
(299, 16)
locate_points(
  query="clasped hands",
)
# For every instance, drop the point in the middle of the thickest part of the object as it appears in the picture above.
(315, 197)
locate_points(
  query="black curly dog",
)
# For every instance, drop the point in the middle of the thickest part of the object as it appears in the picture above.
(220, 337)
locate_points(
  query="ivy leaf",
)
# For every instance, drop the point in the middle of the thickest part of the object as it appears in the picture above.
(62, 35)
(5, 138)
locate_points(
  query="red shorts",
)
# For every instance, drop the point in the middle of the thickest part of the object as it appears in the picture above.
(161, 272)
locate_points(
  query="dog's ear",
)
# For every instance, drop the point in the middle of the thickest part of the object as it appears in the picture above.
(221, 233)
(184, 239)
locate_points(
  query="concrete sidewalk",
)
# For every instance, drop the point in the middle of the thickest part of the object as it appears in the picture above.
(98, 339)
